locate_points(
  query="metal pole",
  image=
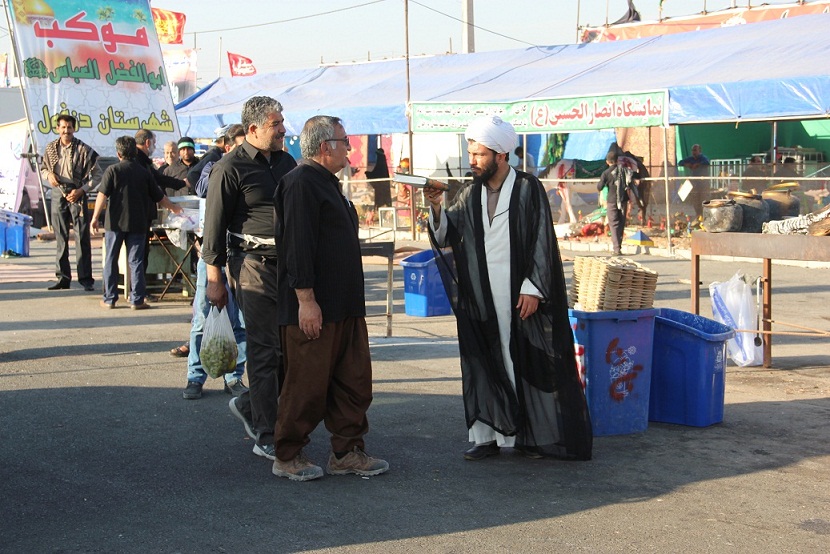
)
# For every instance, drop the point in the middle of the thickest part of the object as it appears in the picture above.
(219, 70)
(666, 181)
(412, 217)
(29, 121)
(578, 9)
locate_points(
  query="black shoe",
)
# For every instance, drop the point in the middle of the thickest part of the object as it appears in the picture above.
(60, 285)
(89, 288)
(481, 451)
(193, 391)
(235, 388)
(531, 452)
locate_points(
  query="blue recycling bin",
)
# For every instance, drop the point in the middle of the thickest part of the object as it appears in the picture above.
(423, 291)
(16, 233)
(614, 353)
(688, 369)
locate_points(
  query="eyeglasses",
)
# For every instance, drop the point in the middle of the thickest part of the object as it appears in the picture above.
(344, 140)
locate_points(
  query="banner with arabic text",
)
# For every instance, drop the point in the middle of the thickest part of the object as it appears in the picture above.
(558, 115)
(99, 61)
(14, 169)
(180, 66)
(169, 25)
(241, 66)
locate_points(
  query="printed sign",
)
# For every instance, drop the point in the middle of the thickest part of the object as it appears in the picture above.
(98, 61)
(547, 116)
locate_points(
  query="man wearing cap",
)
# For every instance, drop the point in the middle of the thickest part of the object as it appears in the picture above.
(181, 167)
(505, 280)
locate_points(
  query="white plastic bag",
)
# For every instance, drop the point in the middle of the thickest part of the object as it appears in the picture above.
(218, 351)
(733, 306)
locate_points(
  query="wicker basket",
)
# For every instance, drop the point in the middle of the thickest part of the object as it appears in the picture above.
(611, 284)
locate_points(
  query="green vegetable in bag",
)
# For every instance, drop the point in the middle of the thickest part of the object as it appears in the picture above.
(218, 352)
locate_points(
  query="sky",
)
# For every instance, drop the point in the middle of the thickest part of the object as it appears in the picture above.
(294, 34)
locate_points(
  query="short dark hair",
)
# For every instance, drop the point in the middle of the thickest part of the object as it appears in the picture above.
(125, 147)
(68, 118)
(143, 135)
(235, 130)
(611, 157)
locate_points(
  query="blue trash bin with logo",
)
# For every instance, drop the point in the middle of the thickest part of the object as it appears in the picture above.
(614, 352)
(423, 291)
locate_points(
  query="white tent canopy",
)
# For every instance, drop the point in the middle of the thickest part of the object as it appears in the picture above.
(763, 71)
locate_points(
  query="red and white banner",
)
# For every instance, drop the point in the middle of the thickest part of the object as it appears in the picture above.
(723, 18)
(241, 66)
(169, 25)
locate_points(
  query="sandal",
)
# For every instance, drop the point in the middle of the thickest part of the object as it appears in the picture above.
(182, 351)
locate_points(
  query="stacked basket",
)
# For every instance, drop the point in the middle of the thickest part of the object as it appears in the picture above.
(611, 284)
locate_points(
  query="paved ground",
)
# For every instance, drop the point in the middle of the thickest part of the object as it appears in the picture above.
(100, 453)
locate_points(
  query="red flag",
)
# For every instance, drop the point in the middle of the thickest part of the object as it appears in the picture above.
(169, 26)
(241, 66)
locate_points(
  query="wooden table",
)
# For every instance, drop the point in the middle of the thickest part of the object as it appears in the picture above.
(754, 245)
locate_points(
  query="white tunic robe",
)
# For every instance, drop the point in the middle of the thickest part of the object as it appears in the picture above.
(497, 251)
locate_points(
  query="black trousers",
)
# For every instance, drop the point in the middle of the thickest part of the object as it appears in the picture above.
(78, 216)
(254, 285)
(616, 221)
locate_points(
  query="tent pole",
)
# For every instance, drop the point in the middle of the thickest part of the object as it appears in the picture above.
(412, 218)
(219, 65)
(30, 124)
(666, 182)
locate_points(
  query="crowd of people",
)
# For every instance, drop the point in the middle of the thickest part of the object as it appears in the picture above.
(280, 251)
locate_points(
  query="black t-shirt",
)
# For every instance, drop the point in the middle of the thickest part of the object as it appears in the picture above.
(128, 188)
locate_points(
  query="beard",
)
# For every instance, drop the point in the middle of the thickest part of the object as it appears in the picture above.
(487, 172)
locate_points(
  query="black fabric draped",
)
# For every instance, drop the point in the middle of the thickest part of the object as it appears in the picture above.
(548, 408)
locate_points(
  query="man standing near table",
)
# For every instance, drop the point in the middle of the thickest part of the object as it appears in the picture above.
(239, 233)
(125, 189)
(698, 165)
(69, 165)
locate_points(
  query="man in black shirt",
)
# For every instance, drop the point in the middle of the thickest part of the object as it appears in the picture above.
(239, 233)
(125, 189)
(322, 309)
(620, 175)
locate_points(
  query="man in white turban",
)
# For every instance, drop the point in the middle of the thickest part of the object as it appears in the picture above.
(505, 282)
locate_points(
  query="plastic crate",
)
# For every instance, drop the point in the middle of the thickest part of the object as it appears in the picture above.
(614, 351)
(16, 232)
(424, 293)
(689, 369)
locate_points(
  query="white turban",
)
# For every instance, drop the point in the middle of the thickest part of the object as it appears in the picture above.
(493, 133)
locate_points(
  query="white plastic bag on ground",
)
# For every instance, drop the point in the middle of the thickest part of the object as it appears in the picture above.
(218, 352)
(733, 306)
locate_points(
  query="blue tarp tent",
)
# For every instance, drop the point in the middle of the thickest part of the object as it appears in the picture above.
(762, 71)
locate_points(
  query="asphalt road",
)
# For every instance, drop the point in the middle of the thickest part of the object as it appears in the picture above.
(100, 453)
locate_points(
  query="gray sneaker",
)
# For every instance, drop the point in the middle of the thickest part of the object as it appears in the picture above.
(265, 450)
(357, 462)
(235, 387)
(298, 469)
(249, 425)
